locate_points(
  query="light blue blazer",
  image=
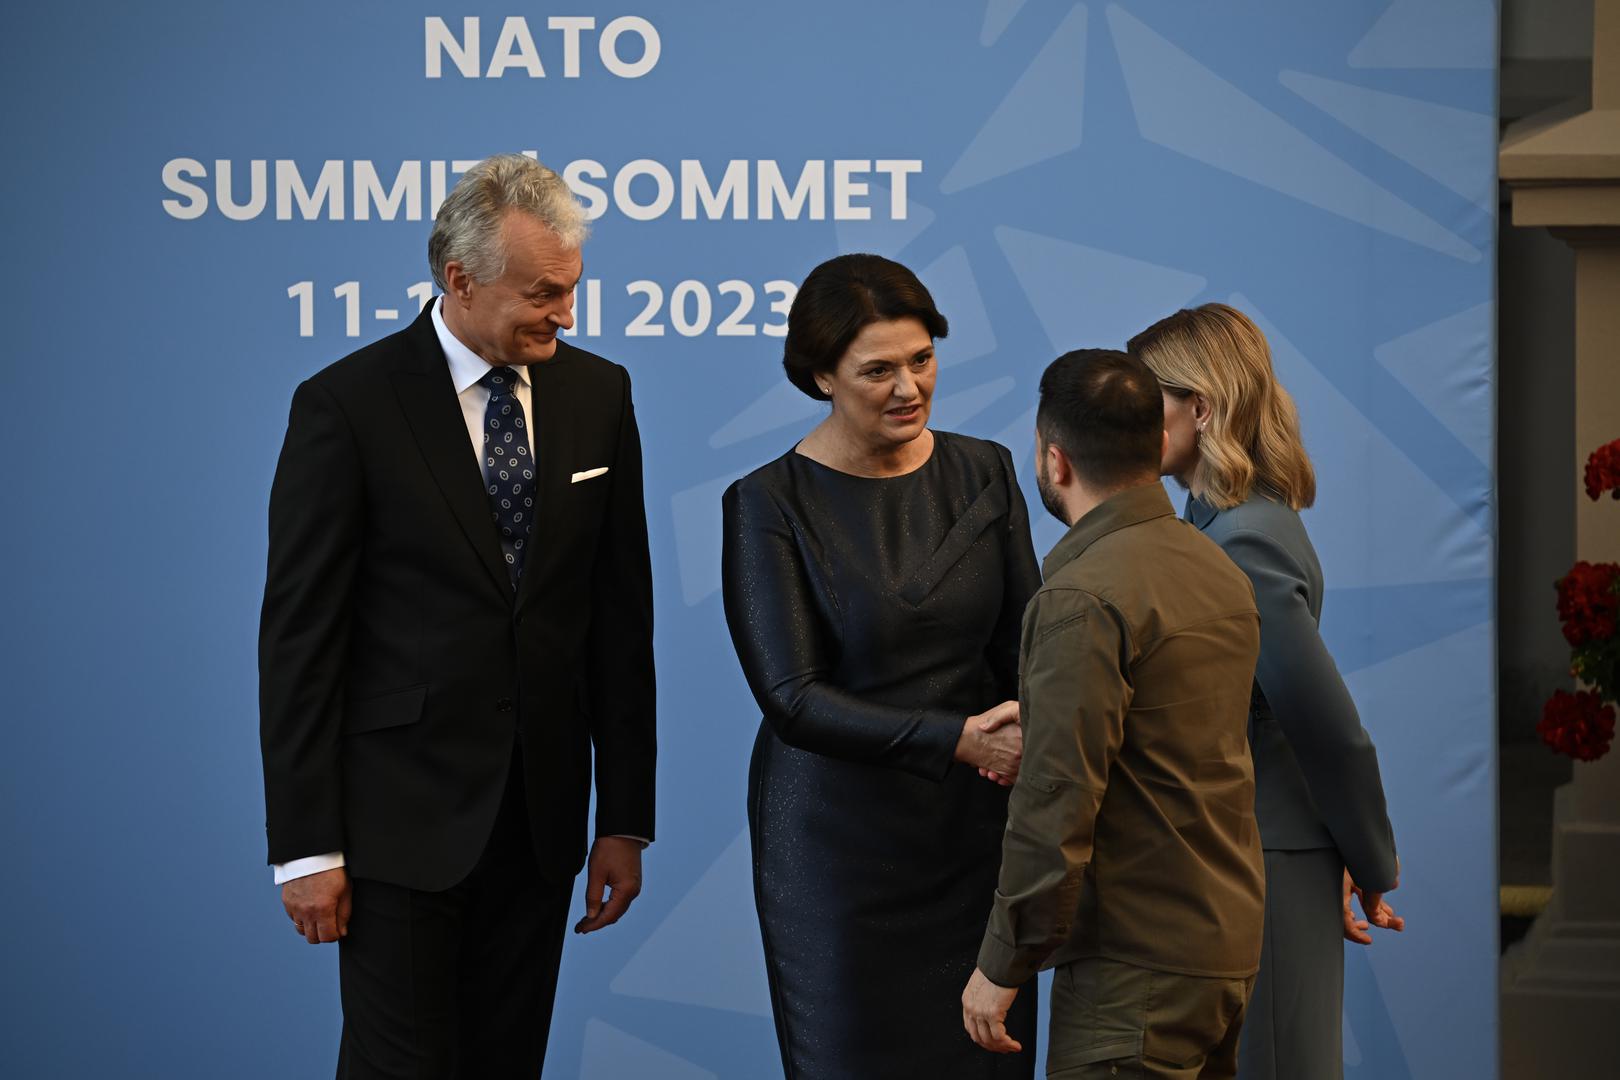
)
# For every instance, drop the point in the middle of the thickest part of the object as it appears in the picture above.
(1317, 783)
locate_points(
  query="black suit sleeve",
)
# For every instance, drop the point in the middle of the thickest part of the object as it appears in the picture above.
(622, 686)
(316, 507)
(770, 611)
(1318, 717)
(1022, 576)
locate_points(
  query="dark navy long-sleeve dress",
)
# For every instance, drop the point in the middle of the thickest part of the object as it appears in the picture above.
(872, 616)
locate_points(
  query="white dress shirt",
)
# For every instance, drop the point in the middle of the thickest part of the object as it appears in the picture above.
(466, 368)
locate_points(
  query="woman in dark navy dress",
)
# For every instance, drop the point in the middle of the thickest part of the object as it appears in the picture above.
(875, 580)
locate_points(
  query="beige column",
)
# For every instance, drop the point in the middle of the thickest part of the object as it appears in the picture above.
(1597, 372)
(1561, 985)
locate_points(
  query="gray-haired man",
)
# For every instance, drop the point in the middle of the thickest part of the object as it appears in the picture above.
(458, 606)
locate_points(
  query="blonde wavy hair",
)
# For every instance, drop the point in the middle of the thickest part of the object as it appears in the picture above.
(1252, 437)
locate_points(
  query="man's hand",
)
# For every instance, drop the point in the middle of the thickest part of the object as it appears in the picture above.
(994, 743)
(984, 1014)
(1378, 913)
(319, 905)
(616, 864)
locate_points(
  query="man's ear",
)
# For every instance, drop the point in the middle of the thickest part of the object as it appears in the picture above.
(457, 282)
(1164, 444)
(1059, 472)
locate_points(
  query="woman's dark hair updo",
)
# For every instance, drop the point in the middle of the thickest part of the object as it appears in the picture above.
(838, 299)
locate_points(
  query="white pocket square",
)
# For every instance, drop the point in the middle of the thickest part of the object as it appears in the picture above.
(588, 474)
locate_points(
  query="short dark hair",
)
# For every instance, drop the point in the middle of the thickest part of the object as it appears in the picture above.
(1103, 408)
(838, 299)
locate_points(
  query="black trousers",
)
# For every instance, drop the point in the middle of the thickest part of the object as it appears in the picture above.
(459, 984)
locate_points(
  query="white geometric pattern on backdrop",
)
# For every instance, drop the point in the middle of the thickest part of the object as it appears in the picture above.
(1086, 296)
(1418, 360)
(613, 1054)
(691, 939)
(780, 405)
(1437, 140)
(1437, 540)
(997, 14)
(1379, 1010)
(1184, 106)
(1008, 142)
(1430, 34)
(696, 517)
(954, 289)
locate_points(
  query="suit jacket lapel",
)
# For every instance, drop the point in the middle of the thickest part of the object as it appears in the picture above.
(1199, 512)
(428, 397)
(553, 424)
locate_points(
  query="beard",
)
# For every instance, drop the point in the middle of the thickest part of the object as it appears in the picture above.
(1050, 497)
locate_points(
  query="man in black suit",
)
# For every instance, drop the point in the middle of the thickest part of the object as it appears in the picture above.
(458, 607)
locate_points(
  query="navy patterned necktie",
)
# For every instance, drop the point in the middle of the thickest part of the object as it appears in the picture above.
(508, 466)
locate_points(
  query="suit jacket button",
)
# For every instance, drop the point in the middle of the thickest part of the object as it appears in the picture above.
(504, 705)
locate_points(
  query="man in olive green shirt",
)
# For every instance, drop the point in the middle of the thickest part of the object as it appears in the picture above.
(1131, 862)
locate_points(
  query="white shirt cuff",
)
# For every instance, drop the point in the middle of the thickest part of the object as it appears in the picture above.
(316, 864)
(642, 840)
(313, 864)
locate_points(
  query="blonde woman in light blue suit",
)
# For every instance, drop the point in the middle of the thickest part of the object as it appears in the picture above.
(1234, 444)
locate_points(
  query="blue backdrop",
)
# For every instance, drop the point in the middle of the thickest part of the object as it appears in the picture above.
(208, 202)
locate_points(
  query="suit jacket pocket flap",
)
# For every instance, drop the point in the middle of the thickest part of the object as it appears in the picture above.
(396, 708)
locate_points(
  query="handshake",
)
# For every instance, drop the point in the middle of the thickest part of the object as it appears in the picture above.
(993, 741)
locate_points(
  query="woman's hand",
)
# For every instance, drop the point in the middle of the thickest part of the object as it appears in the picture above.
(1376, 911)
(993, 742)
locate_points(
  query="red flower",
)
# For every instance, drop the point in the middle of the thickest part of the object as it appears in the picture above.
(1589, 602)
(1577, 724)
(1603, 471)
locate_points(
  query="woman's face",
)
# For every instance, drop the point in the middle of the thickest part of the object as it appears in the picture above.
(884, 383)
(1184, 416)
